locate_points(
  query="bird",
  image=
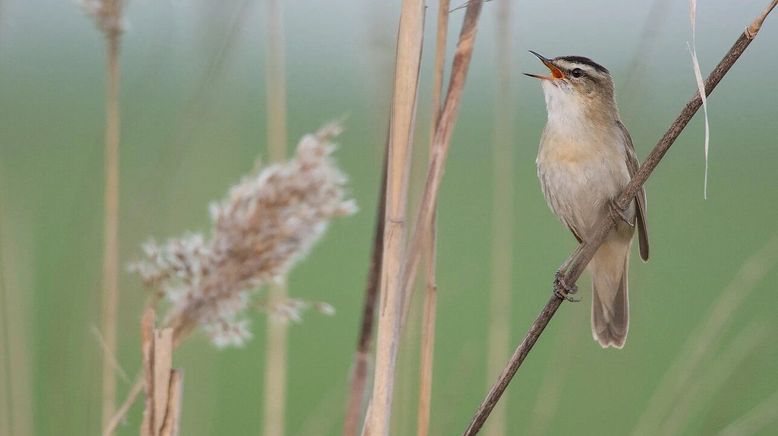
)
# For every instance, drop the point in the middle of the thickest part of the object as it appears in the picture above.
(585, 159)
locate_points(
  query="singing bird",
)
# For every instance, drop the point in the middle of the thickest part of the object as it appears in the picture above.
(585, 159)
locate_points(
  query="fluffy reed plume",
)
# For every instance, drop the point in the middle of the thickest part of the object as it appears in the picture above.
(107, 14)
(267, 223)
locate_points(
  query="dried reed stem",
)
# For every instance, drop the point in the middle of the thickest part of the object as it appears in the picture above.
(277, 327)
(162, 382)
(431, 295)
(110, 282)
(502, 215)
(275, 367)
(361, 362)
(440, 146)
(172, 422)
(266, 224)
(406, 81)
(110, 427)
(574, 266)
(702, 340)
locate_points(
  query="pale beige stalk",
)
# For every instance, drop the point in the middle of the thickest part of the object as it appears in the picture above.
(15, 363)
(406, 80)
(110, 282)
(502, 216)
(276, 350)
(162, 383)
(431, 294)
(440, 145)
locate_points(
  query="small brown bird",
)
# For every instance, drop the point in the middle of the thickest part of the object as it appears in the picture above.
(585, 159)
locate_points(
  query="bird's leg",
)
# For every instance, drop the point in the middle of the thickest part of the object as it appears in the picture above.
(562, 289)
(619, 213)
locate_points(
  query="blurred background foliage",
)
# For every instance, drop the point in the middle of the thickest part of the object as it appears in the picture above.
(193, 122)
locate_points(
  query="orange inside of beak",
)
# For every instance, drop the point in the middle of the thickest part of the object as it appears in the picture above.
(555, 72)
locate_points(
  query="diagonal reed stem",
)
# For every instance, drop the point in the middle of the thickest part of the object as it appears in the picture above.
(361, 362)
(574, 266)
(440, 145)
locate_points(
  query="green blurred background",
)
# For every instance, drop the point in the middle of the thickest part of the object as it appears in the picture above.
(193, 121)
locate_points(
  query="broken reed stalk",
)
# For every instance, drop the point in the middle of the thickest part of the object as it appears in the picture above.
(360, 364)
(277, 327)
(109, 20)
(260, 230)
(574, 266)
(163, 384)
(427, 351)
(406, 81)
(502, 215)
(440, 146)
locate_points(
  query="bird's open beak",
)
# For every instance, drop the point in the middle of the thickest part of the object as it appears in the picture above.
(556, 73)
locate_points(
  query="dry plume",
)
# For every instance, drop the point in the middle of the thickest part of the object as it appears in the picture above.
(265, 225)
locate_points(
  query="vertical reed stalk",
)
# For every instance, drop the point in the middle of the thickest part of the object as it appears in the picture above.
(276, 350)
(406, 81)
(110, 301)
(440, 145)
(162, 383)
(431, 294)
(502, 215)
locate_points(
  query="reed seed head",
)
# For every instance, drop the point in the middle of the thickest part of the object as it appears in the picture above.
(266, 224)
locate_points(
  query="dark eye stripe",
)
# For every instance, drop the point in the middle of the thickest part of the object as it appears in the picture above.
(585, 61)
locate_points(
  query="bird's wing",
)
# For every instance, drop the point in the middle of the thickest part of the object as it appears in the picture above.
(632, 167)
(574, 232)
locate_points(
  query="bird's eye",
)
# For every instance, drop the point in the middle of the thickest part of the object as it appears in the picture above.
(577, 72)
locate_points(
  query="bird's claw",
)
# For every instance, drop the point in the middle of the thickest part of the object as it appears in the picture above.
(562, 290)
(619, 213)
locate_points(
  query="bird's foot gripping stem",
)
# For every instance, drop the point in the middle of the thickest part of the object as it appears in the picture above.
(619, 213)
(563, 290)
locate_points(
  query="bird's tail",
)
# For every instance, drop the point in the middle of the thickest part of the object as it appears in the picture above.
(610, 296)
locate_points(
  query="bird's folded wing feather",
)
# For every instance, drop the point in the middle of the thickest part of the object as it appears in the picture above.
(632, 166)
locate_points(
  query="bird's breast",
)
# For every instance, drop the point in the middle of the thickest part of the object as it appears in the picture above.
(579, 175)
